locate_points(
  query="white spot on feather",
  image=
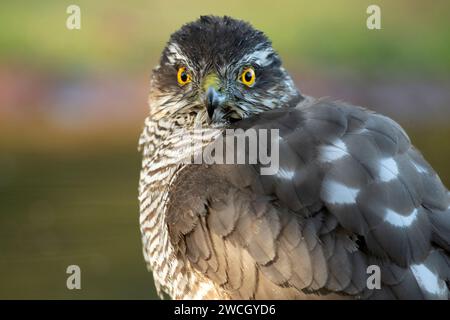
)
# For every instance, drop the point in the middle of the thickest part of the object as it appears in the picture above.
(260, 57)
(388, 169)
(333, 152)
(420, 168)
(399, 220)
(427, 280)
(174, 53)
(362, 131)
(285, 174)
(337, 193)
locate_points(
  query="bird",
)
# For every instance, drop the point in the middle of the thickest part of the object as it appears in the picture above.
(351, 193)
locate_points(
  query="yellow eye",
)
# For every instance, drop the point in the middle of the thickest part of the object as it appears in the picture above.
(183, 76)
(248, 76)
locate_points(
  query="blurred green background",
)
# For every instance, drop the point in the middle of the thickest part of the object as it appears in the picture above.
(72, 104)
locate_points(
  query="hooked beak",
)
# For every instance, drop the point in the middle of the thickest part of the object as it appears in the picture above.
(213, 100)
(214, 97)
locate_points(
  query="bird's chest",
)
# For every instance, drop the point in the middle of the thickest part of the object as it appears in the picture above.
(158, 251)
(162, 161)
(171, 274)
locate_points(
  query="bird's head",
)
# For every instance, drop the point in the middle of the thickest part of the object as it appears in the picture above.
(216, 71)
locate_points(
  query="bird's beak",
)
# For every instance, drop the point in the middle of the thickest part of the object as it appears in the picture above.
(214, 98)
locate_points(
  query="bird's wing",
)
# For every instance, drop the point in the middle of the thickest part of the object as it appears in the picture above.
(350, 192)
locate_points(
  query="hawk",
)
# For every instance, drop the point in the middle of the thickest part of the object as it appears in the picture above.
(350, 193)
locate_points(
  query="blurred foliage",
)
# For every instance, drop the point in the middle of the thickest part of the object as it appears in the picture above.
(59, 209)
(126, 35)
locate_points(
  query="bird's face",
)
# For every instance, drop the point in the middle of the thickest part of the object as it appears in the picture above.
(216, 71)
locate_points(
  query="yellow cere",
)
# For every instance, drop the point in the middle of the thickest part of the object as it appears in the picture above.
(211, 80)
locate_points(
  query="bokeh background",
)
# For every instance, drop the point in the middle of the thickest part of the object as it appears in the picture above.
(72, 104)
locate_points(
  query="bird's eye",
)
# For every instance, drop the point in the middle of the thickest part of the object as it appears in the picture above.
(183, 76)
(248, 76)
